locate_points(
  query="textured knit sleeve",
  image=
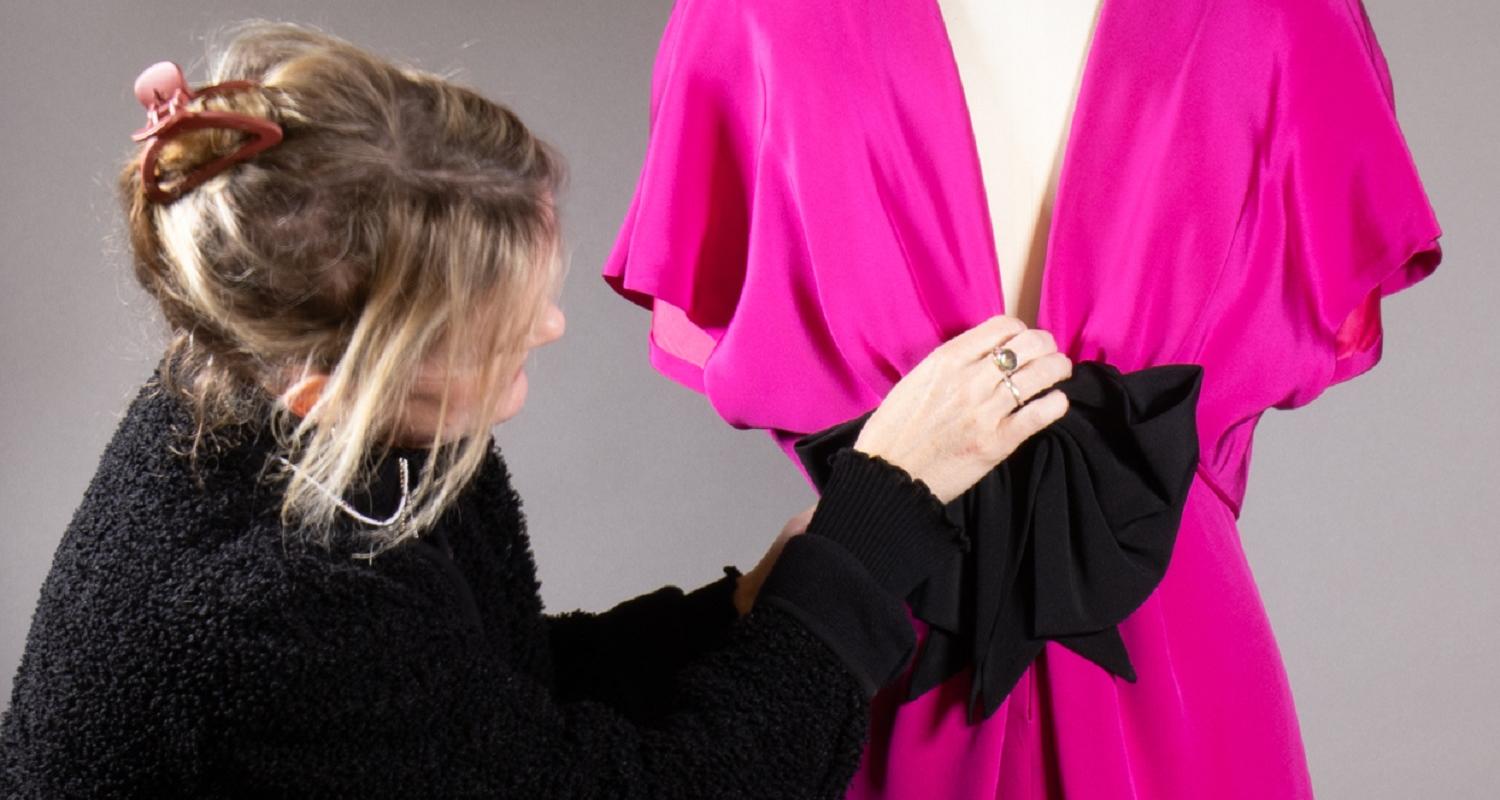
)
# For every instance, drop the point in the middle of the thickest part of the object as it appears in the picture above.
(352, 681)
(876, 529)
(877, 532)
(185, 646)
(357, 682)
(371, 688)
(1341, 200)
(230, 660)
(630, 655)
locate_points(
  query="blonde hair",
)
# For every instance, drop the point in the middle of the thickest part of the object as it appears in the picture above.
(401, 216)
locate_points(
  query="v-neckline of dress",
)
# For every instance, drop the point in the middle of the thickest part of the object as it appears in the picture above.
(1069, 155)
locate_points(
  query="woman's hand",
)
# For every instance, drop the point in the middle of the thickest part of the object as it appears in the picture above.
(749, 583)
(951, 419)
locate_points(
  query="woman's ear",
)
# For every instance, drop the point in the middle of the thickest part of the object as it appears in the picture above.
(301, 396)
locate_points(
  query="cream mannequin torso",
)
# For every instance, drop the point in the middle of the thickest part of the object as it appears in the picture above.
(1021, 64)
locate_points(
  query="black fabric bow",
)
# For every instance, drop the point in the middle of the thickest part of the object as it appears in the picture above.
(1070, 533)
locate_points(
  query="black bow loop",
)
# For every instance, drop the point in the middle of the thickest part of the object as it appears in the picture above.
(1068, 535)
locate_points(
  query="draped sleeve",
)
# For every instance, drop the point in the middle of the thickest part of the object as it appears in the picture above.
(681, 250)
(1343, 197)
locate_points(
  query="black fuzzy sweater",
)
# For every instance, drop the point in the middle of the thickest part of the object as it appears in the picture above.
(185, 645)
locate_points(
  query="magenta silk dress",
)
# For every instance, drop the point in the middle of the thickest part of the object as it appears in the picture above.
(1235, 192)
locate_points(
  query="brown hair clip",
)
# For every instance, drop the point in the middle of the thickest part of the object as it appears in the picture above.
(163, 90)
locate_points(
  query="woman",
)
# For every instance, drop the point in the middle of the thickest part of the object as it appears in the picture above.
(301, 568)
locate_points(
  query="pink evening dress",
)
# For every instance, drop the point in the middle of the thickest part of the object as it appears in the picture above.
(810, 221)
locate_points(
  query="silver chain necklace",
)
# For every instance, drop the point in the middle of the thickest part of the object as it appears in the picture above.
(398, 517)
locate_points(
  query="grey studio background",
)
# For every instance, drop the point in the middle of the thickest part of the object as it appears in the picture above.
(1372, 521)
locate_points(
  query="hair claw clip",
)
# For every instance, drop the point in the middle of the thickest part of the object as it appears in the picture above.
(164, 92)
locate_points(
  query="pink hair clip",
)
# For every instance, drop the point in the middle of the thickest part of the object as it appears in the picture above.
(163, 90)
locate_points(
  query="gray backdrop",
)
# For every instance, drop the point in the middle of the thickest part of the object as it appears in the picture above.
(1371, 518)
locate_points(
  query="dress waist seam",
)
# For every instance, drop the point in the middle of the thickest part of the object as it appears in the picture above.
(1229, 501)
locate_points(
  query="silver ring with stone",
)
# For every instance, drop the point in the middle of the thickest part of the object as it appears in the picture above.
(1005, 359)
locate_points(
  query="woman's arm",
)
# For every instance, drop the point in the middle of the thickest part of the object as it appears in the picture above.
(379, 689)
(629, 655)
(773, 714)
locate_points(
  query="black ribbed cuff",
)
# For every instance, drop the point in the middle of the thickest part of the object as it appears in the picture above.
(825, 587)
(890, 521)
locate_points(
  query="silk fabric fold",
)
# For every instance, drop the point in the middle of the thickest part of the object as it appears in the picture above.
(1068, 535)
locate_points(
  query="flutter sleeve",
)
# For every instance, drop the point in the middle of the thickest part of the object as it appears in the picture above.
(1342, 182)
(681, 250)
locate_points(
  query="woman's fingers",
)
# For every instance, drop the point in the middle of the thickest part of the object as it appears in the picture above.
(1025, 422)
(977, 341)
(1028, 345)
(1031, 379)
(1014, 422)
(1039, 366)
(943, 422)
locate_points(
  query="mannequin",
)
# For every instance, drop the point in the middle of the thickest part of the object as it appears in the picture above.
(1021, 65)
(830, 190)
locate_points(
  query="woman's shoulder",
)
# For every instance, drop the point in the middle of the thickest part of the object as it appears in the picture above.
(167, 539)
(153, 505)
(176, 608)
(170, 551)
(147, 575)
